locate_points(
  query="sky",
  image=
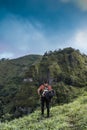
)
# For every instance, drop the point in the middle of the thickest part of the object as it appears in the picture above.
(36, 26)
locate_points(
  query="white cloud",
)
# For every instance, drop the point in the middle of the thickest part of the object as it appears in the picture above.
(22, 37)
(6, 55)
(79, 40)
(82, 4)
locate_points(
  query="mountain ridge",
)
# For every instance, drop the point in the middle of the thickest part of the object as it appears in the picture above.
(66, 71)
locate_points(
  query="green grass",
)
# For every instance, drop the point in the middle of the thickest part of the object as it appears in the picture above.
(72, 116)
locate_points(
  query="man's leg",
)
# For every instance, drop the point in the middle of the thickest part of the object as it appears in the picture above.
(42, 106)
(48, 107)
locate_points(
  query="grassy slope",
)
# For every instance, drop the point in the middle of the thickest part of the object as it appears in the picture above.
(72, 116)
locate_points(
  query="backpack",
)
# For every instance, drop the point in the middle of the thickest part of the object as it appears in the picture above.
(51, 93)
(48, 94)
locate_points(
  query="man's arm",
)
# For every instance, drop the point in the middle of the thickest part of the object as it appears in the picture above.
(38, 91)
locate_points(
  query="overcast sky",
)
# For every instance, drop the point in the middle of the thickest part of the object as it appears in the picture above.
(37, 26)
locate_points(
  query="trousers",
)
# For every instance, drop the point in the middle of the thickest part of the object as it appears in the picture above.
(43, 102)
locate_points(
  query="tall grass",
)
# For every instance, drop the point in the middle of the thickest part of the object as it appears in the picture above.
(72, 116)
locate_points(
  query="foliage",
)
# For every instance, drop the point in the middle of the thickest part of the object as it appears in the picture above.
(66, 71)
(67, 65)
(12, 74)
(72, 116)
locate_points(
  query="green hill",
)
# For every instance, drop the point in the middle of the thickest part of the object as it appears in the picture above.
(72, 116)
(15, 68)
(66, 71)
(12, 74)
(67, 65)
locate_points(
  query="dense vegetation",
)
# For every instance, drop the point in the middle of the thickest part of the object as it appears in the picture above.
(66, 71)
(72, 116)
(12, 75)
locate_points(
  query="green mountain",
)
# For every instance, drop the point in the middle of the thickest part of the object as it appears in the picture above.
(72, 116)
(12, 74)
(15, 68)
(67, 65)
(66, 71)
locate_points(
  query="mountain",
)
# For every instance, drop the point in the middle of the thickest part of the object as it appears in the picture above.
(72, 116)
(66, 71)
(10, 69)
(11, 79)
(67, 65)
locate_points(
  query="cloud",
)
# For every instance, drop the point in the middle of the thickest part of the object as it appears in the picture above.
(82, 4)
(21, 37)
(79, 40)
(6, 55)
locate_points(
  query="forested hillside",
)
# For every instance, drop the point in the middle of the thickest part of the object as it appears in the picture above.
(72, 116)
(12, 75)
(66, 71)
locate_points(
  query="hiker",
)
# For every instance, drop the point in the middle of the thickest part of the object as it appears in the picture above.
(45, 94)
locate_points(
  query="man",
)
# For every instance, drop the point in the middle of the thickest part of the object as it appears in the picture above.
(43, 92)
